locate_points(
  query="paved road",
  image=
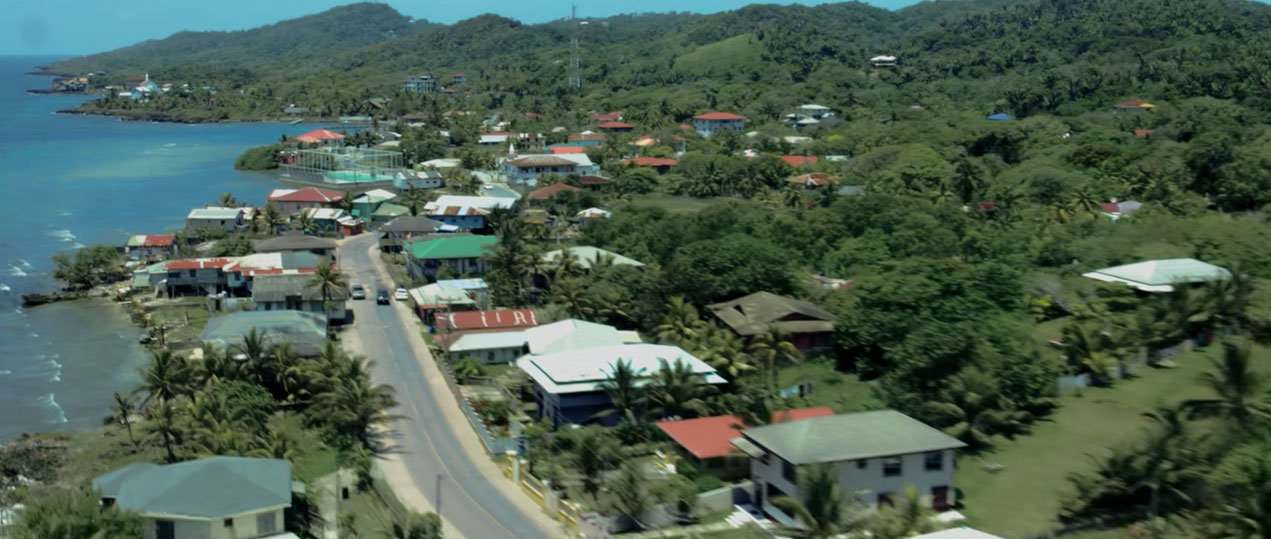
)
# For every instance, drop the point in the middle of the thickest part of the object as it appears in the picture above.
(469, 501)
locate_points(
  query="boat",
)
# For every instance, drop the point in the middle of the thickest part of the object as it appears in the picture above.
(296, 121)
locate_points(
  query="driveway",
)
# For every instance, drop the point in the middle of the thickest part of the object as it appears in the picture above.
(431, 444)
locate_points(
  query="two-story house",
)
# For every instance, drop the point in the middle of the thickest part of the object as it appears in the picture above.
(228, 219)
(526, 169)
(212, 498)
(714, 122)
(876, 456)
(290, 201)
(395, 233)
(809, 326)
(295, 292)
(465, 212)
(151, 246)
(462, 254)
(420, 84)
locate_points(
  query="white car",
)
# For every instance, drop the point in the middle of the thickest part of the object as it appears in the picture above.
(400, 294)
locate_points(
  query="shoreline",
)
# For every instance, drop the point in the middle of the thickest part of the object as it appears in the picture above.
(166, 118)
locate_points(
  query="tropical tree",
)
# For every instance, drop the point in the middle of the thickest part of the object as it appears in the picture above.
(58, 512)
(595, 451)
(822, 509)
(624, 397)
(121, 409)
(676, 391)
(907, 519)
(772, 348)
(272, 217)
(167, 376)
(417, 526)
(1239, 388)
(166, 425)
(303, 221)
(215, 427)
(466, 368)
(680, 322)
(253, 355)
(227, 200)
(328, 279)
(355, 405)
(631, 495)
(973, 409)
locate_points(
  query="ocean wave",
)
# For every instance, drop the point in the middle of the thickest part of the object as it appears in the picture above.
(64, 213)
(16, 271)
(4, 287)
(61, 234)
(35, 335)
(24, 264)
(5, 372)
(50, 402)
(169, 145)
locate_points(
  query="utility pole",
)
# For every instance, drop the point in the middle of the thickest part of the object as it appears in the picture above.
(437, 505)
(575, 80)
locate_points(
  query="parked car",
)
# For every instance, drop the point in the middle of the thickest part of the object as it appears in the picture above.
(358, 292)
(400, 294)
(381, 297)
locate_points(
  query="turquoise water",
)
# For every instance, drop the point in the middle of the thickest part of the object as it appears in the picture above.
(68, 181)
(356, 176)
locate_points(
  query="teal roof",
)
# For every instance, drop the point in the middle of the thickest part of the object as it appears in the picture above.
(1158, 275)
(209, 488)
(456, 247)
(862, 435)
(390, 210)
(587, 255)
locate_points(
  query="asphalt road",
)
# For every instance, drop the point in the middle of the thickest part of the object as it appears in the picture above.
(469, 502)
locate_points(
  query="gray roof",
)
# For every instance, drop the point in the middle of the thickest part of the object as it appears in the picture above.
(278, 287)
(842, 437)
(752, 314)
(291, 241)
(307, 332)
(411, 223)
(208, 488)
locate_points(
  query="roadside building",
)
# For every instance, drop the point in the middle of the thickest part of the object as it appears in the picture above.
(296, 242)
(705, 442)
(305, 332)
(434, 298)
(395, 233)
(296, 292)
(462, 254)
(465, 212)
(497, 347)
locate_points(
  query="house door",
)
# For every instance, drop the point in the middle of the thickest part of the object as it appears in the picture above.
(940, 498)
(165, 529)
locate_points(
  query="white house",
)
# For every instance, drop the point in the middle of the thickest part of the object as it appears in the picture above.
(465, 212)
(501, 347)
(526, 169)
(420, 84)
(1161, 275)
(883, 60)
(714, 122)
(812, 110)
(213, 498)
(876, 455)
(228, 219)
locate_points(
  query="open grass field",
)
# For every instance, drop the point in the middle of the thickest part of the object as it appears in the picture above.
(1026, 495)
(841, 391)
(673, 204)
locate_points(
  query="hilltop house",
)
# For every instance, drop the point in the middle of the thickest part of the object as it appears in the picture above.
(228, 219)
(216, 497)
(1161, 275)
(585, 217)
(295, 292)
(876, 456)
(615, 127)
(882, 60)
(714, 122)
(290, 201)
(526, 169)
(809, 326)
(462, 254)
(814, 180)
(151, 246)
(420, 84)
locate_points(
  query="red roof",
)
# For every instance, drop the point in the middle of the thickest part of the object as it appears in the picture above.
(1142, 133)
(586, 136)
(607, 117)
(814, 179)
(507, 318)
(1133, 103)
(707, 437)
(557, 150)
(158, 240)
(319, 135)
(799, 160)
(719, 116)
(650, 162)
(551, 190)
(310, 194)
(594, 180)
(1110, 207)
(615, 125)
(197, 263)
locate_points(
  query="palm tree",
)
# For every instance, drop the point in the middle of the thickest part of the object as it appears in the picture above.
(908, 519)
(772, 347)
(121, 412)
(793, 197)
(416, 199)
(1240, 390)
(355, 405)
(1084, 199)
(467, 367)
(417, 526)
(680, 323)
(972, 409)
(272, 217)
(253, 355)
(630, 488)
(595, 451)
(167, 376)
(823, 511)
(620, 387)
(1168, 459)
(571, 295)
(966, 180)
(166, 425)
(303, 221)
(227, 200)
(214, 429)
(722, 350)
(1230, 301)
(328, 279)
(676, 391)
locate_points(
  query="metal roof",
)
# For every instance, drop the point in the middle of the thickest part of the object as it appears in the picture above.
(456, 247)
(306, 332)
(292, 241)
(465, 284)
(957, 533)
(542, 161)
(862, 435)
(208, 488)
(439, 294)
(214, 213)
(1159, 275)
(501, 318)
(151, 240)
(708, 437)
(585, 369)
(587, 256)
(375, 196)
(487, 341)
(411, 223)
(752, 314)
(279, 287)
(570, 334)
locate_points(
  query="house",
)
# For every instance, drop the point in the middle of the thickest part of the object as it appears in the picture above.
(320, 136)
(586, 138)
(814, 180)
(615, 127)
(1133, 105)
(289, 201)
(440, 164)
(465, 212)
(546, 193)
(876, 455)
(569, 385)
(419, 179)
(151, 245)
(815, 111)
(458, 78)
(368, 202)
(588, 215)
(607, 117)
(224, 276)
(293, 110)
(395, 232)
(334, 221)
(501, 347)
(296, 242)
(882, 60)
(574, 334)
(561, 150)
(661, 165)
(305, 332)
(491, 336)
(705, 441)
(586, 257)
(420, 84)
(714, 122)
(435, 298)
(476, 288)
(462, 254)
(1143, 133)
(1161, 275)
(798, 161)
(999, 117)
(485, 321)
(595, 183)
(387, 212)
(1117, 210)
(216, 497)
(228, 219)
(957, 533)
(809, 326)
(526, 169)
(295, 293)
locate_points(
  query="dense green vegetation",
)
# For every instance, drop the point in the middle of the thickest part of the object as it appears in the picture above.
(259, 158)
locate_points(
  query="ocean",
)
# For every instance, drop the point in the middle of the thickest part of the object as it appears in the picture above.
(67, 181)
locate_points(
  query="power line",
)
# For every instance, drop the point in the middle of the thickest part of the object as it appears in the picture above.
(575, 80)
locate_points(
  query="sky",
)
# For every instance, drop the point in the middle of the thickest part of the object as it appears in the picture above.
(75, 27)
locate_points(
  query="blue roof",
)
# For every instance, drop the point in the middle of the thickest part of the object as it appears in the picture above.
(1000, 116)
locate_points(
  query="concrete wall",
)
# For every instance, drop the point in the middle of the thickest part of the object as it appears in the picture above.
(229, 225)
(244, 527)
(491, 356)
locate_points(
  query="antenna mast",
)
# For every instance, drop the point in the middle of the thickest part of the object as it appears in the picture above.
(575, 80)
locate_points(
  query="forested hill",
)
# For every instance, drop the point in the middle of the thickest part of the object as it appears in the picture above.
(340, 28)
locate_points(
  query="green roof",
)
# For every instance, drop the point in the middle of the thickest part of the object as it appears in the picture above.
(456, 247)
(209, 488)
(1158, 275)
(390, 210)
(861, 435)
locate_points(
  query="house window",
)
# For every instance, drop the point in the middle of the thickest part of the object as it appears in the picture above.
(265, 523)
(228, 523)
(787, 471)
(892, 467)
(165, 529)
(862, 464)
(192, 273)
(933, 461)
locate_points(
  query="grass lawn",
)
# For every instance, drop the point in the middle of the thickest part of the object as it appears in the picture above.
(841, 391)
(374, 511)
(673, 204)
(1025, 496)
